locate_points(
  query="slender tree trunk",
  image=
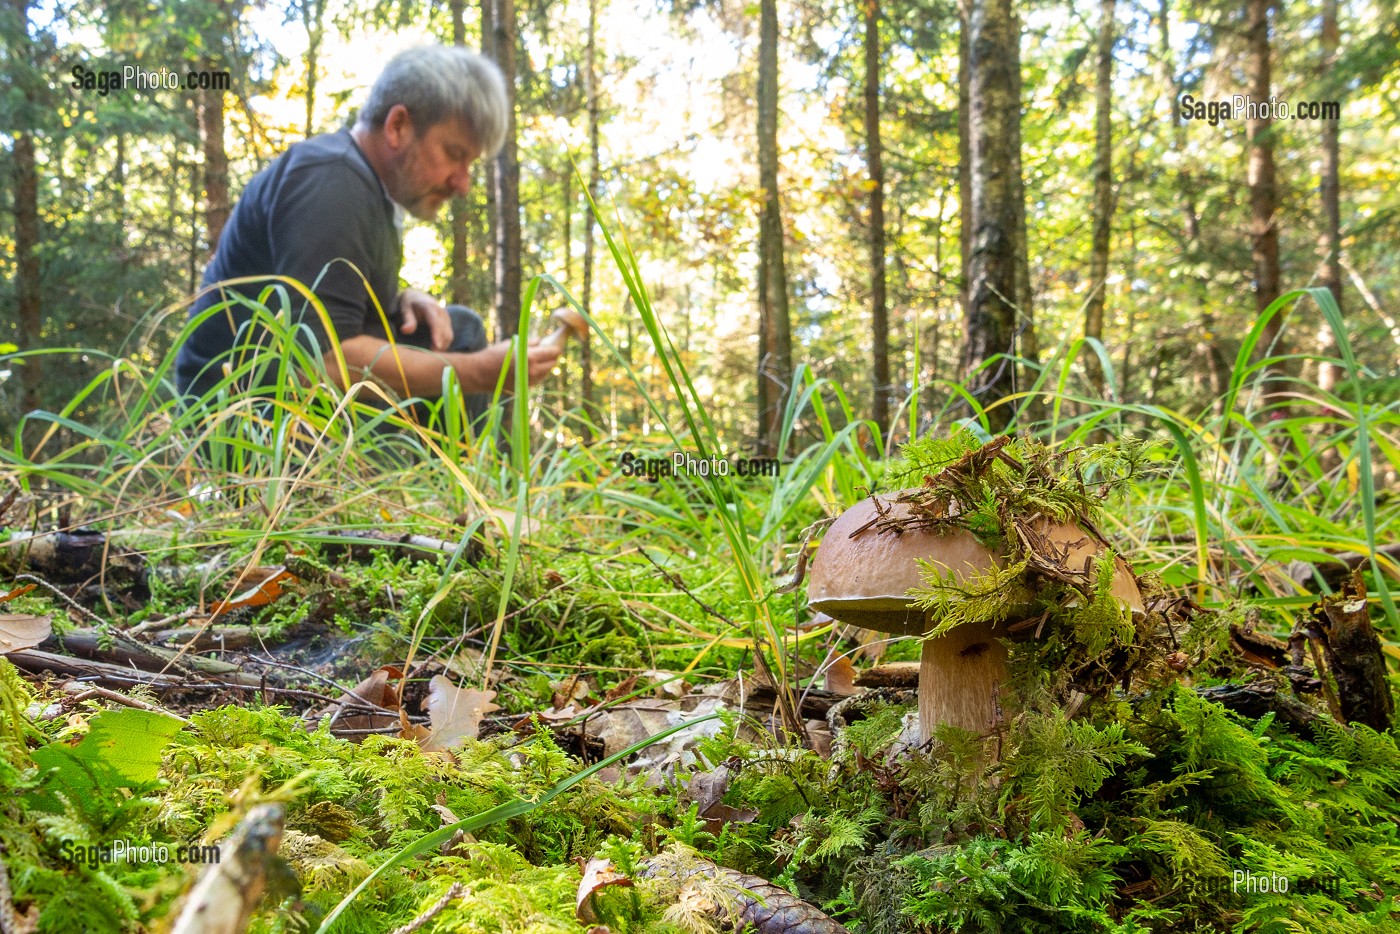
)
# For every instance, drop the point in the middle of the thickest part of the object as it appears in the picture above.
(775, 335)
(211, 131)
(964, 157)
(997, 214)
(1103, 197)
(595, 179)
(1263, 197)
(879, 313)
(506, 179)
(1026, 339)
(491, 215)
(27, 280)
(1217, 367)
(313, 14)
(1330, 274)
(460, 289)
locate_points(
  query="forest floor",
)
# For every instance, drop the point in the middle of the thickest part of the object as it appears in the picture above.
(576, 719)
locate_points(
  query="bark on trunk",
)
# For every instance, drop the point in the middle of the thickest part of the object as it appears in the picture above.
(595, 179)
(1263, 197)
(879, 313)
(1330, 275)
(211, 131)
(313, 15)
(775, 336)
(27, 281)
(507, 180)
(461, 272)
(997, 215)
(1103, 198)
(1217, 367)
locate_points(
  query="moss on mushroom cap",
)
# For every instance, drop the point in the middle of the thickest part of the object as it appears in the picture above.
(866, 565)
(877, 552)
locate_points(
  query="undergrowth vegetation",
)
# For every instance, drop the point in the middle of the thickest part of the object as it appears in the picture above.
(1133, 808)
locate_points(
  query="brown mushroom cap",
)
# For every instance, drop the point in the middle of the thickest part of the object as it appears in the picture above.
(864, 578)
(570, 322)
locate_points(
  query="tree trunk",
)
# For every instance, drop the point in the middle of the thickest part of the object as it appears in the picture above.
(1103, 198)
(879, 313)
(1263, 196)
(313, 14)
(1217, 367)
(964, 158)
(1330, 275)
(997, 215)
(211, 131)
(595, 179)
(459, 290)
(775, 335)
(506, 178)
(27, 280)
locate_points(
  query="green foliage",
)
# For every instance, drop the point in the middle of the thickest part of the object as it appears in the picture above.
(1059, 761)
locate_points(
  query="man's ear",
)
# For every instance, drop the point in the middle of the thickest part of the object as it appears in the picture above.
(398, 127)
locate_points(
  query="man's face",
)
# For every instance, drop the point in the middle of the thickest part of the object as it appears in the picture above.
(429, 167)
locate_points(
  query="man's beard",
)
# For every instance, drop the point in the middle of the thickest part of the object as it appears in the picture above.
(423, 203)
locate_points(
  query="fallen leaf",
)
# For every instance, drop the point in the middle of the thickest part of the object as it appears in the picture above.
(454, 713)
(19, 591)
(267, 587)
(23, 631)
(621, 689)
(597, 874)
(565, 692)
(375, 689)
(706, 789)
(841, 676)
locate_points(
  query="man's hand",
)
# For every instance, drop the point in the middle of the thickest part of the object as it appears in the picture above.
(541, 359)
(417, 308)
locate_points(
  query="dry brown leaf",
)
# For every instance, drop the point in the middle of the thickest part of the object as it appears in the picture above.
(454, 713)
(23, 631)
(597, 874)
(841, 676)
(19, 591)
(266, 588)
(575, 688)
(375, 689)
(707, 789)
(621, 689)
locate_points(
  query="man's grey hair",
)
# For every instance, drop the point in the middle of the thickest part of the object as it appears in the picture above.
(435, 82)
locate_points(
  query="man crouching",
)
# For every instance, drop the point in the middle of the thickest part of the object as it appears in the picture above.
(329, 213)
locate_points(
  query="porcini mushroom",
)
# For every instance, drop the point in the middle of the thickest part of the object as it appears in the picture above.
(869, 561)
(570, 322)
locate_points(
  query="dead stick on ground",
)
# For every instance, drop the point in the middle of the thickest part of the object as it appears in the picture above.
(435, 909)
(81, 692)
(225, 896)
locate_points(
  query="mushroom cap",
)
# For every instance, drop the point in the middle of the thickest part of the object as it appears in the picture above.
(567, 317)
(862, 576)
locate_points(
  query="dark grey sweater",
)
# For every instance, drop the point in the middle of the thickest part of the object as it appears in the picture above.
(318, 208)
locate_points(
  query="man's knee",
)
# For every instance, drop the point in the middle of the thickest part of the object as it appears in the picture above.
(468, 330)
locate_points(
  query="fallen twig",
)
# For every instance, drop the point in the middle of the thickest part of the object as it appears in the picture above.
(436, 908)
(225, 896)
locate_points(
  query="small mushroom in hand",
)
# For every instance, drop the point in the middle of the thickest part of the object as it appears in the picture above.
(866, 566)
(570, 322)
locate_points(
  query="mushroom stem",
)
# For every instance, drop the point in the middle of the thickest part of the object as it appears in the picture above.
(570, 322)
(959, 674)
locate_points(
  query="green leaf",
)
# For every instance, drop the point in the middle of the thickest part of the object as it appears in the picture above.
(121, 750)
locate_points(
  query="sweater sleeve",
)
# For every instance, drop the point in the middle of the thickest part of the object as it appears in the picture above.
(323, 230)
